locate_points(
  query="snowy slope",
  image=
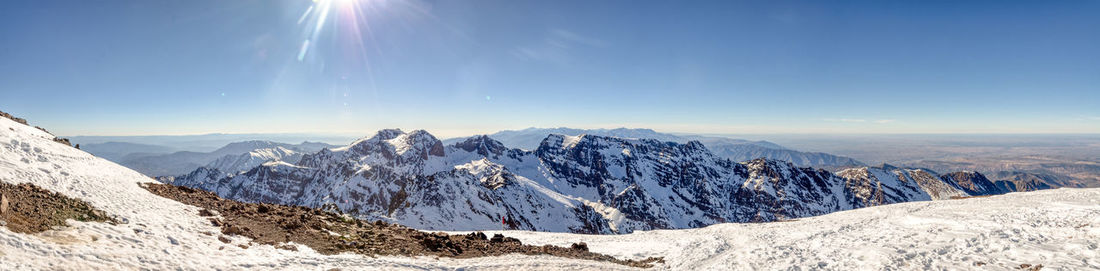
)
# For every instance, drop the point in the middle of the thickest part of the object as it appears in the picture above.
(1057, 228)
(234, 164)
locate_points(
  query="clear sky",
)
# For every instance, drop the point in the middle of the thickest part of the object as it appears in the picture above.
(464, 67)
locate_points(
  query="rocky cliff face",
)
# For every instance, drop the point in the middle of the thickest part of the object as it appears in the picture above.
(973, 183)
(585, 184)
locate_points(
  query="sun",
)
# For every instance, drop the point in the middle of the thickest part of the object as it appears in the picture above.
(337, 1)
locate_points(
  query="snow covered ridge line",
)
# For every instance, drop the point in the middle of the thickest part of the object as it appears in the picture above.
(581, 184)
(734, 149)
(24, 122)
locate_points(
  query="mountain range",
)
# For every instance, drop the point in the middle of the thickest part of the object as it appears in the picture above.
(734, 149)
(583, 184)
(147, 231)
(181, 162)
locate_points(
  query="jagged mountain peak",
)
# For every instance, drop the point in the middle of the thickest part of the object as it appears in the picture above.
(588, 140)
(381, 135)
(387, 134)
(394, 142)
(973, 183)
(586, 147)
(491, 175)
(420, 141)
(483, 145)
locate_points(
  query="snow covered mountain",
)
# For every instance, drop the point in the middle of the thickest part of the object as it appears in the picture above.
(974, 183)
(186, 161)
(235, 164)
(1055, 228)
(734, 149)
(586, 184)
(740, 150)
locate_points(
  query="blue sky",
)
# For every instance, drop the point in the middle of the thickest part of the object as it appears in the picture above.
(464, 67)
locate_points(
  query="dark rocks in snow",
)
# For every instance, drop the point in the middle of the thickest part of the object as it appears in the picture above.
(332, 233)
(482, 145)
(24, 122)
(582, 246)
(207, 212)
(973, 183)
(28, 208)
(63, 141)
(9, 116)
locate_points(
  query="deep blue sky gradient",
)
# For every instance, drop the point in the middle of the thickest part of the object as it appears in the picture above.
(464, 67)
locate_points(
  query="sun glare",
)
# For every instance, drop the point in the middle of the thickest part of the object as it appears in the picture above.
(316, 17)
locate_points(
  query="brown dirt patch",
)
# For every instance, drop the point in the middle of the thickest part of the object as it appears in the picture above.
(26, 208)
(331, 233)
(1030, 267)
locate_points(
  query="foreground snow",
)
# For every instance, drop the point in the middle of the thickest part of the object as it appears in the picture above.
(1058, 228)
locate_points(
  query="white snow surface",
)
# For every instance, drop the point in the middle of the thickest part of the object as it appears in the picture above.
(235, 164)
(1059, 229)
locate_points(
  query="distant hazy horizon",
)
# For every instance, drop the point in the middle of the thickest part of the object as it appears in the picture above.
(447, 136)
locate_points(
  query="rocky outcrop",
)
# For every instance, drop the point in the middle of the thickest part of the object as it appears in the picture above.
(24, 122)
(9, 116)
(973, 183)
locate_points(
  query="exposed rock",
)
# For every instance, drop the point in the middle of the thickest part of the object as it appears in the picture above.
(9, 116)
(30, 209)
(331, 233)
(580, 246)
(3, 203)
(207, 212)
(973, 183)
(62, 141)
